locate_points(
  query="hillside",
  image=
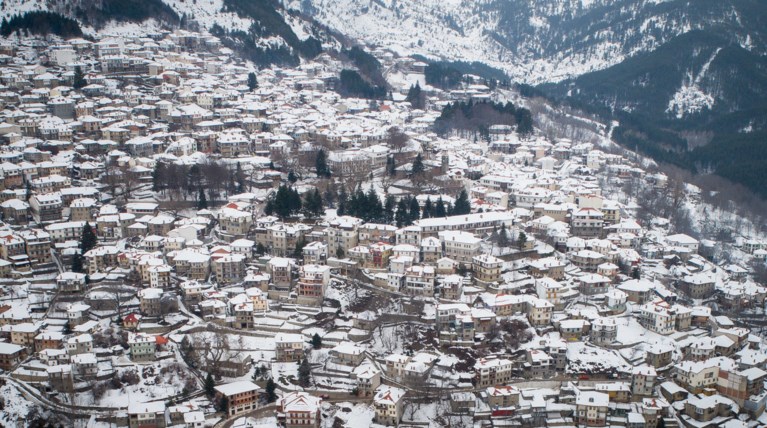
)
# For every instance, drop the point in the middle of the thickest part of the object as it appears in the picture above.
(260, 30)
(536, 41)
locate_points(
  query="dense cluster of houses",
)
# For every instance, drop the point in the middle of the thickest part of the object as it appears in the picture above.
(547, 279)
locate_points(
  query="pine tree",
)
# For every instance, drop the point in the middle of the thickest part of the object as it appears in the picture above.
(202, 201)
(298, 252)
(88, 239)
(313, 206)
(343, 199)
(292, 177)
(304, 373)
(391, 167)
(427, 208)
(402, 217)
(503, 237)
(389, 205)
(358, 204)
(417, 169)
(286, 202)
(260, 249)
(210, 386)
(522, 240)
(223, 405)
(415, 97)
(79, 78)
(271, 388)
(252, 81)
(316, 341)
(462, 204)
(77, 263)
(375, 209)
(321, 164)
(414, 210)
(158, 177)
(319, 204)
(439, 208)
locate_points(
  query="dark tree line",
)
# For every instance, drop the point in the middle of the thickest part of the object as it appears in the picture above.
(416, 97)
(442, 75)
(364, 205)
(286, 202)
(367, 65)
(42, 23)
(351, 84)
(479, 117)
(403, 212)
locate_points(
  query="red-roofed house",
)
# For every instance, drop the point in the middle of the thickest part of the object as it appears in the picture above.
(388, 404)
(131, 321)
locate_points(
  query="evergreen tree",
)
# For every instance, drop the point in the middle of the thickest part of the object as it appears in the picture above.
(416, 97)
(260, 249)
(286, 202)
(28, 193)
(304, 373)
(358, 204)
(79, 78)
(343, 199)
(292, 177)
(269, 207)
(202, 201)
(298, 252)
(316, 341)
(414, 210)
(210, 386)
(522, 240)
(321, 164)
(375, 209)
(402, 217)
(158, 177)
(389, 205)
(77, 263)
(256, 374)
(503, 237)
(439, 208)
(313, 206)
(252, 81)
(427, 208)
(223, 405)
(391, 167)
(294, 201)
(417, 168)
(271, 388)
(88, 239)
(462, 204)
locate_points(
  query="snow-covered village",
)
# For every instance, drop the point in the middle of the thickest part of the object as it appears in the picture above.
(189, 240)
